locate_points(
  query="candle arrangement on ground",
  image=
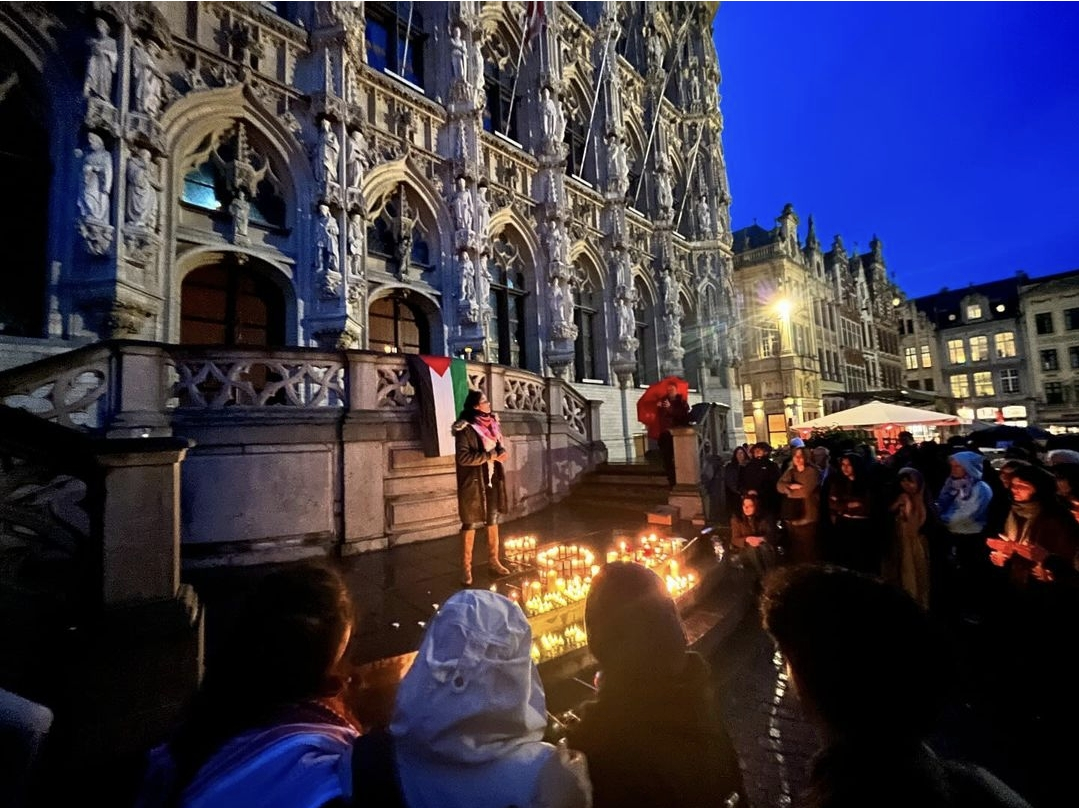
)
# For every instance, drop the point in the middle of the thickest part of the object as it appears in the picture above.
(555, 643)
(520, 550)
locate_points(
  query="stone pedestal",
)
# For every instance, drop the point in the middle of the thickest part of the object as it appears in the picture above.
(686, 494)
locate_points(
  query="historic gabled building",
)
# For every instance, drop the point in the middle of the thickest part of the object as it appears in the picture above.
(817, 325)
(536, 185)
(1050, 325)
(971, 344)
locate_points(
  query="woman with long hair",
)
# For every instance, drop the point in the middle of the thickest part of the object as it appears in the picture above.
(907, 564)
(800, 487)
(268, 725)
(732, 480)
(481, 479)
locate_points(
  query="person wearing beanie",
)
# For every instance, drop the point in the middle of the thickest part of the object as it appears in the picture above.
(653, 735)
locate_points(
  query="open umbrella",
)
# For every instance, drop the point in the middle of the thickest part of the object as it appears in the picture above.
(1005, 433)
(647, 412)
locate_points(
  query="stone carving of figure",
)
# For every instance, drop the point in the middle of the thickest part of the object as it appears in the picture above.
(655, 51)
(557, 296)
(704, 216)
(240, 209)
(627, 323)
(149, 84)
(674, 330)
(663, 191)
(329, 255)
(468, 276)
(141, 203)
(483, 212)
(694, 86)
(483, 285)
(329, 151)
(458, 56)
(101, 66)
(96, 181)
(478, 84)
(555, 241)
(567, 305)
(616, 161)
(356, 231)
(670, 295)
(462, 206)
(356, 159)
(554, 122)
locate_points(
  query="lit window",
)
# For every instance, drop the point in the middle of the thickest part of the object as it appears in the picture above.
(974, 311)
(983, 384)
(960, 386)
(979, 349)
(1004, 344)
(910, 356)
(956, 352)
(927, 357)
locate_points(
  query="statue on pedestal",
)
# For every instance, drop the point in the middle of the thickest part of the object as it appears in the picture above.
(462, 207)
(329, 152)
(101, 66)
(149, 84)
(96, 190)
(142, 187)
(328, 255)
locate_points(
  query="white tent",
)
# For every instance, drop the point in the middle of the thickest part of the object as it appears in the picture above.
(878, 413)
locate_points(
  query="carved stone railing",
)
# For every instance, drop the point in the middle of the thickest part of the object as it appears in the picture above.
(125, 388)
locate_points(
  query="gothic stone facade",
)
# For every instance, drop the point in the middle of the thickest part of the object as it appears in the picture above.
(818, 325)
(547, 192)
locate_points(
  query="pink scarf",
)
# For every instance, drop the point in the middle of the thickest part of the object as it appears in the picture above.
(490, 433)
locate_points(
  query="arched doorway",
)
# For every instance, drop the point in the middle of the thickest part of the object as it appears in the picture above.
(398, 325)
(27, 171)
(231, 303)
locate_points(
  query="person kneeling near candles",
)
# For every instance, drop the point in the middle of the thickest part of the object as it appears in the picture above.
(653, 736)
(481, 480)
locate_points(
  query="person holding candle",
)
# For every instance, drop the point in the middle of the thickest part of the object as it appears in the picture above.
(481, 479)
(653, 736)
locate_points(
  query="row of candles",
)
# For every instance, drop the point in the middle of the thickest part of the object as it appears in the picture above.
(556, 643)
(520, 550)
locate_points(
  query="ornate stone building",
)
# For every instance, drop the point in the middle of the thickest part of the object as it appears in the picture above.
(543, 190)
(819, 326)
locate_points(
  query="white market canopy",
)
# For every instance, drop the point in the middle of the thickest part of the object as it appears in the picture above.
(878, 413)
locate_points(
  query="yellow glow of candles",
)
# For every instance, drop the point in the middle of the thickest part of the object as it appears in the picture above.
(595, 570)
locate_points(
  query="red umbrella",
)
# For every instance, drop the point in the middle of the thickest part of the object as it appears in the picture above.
(647, 412)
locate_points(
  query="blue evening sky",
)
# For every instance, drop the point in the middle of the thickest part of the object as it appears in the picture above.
(951, 130)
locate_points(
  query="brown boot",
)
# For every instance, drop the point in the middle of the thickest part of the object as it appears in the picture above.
(468, 539)
(492, 551)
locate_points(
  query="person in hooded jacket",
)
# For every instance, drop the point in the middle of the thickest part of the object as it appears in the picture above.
(963, 505)
(469, 721)
(653, 735)
(481, 480)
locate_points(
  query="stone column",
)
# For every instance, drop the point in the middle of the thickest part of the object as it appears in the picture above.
(686, 494)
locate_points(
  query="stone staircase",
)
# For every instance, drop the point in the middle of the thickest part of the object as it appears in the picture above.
(633, 487)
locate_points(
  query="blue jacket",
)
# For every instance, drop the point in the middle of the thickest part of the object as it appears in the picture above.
(964, 501)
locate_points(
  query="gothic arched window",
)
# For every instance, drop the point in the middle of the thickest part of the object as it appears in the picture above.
(586, 304)
(506, 333)
(576, 135)
(398, 326)
(647, 365)
(207, 185)
(500, 114)
(395, 39)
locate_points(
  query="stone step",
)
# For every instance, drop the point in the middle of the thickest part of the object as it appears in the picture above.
(643, 495)
(658, 479)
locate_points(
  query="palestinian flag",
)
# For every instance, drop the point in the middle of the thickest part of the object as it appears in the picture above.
(441, 385)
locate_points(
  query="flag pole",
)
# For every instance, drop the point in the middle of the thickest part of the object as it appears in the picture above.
(517, 73)
(689, 174)
(595, 98)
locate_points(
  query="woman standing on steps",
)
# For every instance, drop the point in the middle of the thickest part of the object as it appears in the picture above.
(481, 480)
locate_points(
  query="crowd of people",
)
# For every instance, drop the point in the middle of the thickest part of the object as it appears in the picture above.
(990, 550)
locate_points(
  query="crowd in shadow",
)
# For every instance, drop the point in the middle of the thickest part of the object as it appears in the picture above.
(867, 570)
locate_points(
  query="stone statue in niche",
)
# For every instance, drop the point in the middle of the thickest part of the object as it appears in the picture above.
(96, 181)
(149, 80)
(356, 231)
(627, 323)
(478, 84)
(240, 210)
(556, 241)
(467, 271)
(142, 187)
(567, 305)
(328, 257)
(694, 86)
(664, 196)
(655, 51)
(704, 216)
(671, 305)
(616, 161)
(356, 160)
(483, 285)
(101, 66)
(329, 152)
(483, 212)
(557, 296)
(554, 122)
(458, 56)
(462, 207)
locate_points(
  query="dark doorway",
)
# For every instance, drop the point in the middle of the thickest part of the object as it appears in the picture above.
(398, 326)
(228, 303)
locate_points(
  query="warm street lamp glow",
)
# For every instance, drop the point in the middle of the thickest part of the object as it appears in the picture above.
(783, 308)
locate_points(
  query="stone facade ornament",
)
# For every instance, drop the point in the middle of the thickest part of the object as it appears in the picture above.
(357, 229)
(664, 195)
(463, 215)
(96, 191)
(148, 89)
(327, 251)
(458, 56)
(240, 210)
(704, 217)
(554, 121)
(140, 207)
(356, 160)
(483, 215)
(466, 270)
(329, 152)
(483, 287)
(617, 171)
(101, 67)
(656, 50)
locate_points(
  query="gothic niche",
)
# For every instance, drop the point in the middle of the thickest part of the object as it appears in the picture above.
(236, 185)
(397, 240)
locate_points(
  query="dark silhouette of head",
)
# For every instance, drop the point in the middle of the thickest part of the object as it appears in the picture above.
(864, 656)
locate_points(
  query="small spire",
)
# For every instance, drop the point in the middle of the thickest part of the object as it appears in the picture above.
(811, 239)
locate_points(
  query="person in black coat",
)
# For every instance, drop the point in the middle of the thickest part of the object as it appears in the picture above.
(481, 480)
(653, 737)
